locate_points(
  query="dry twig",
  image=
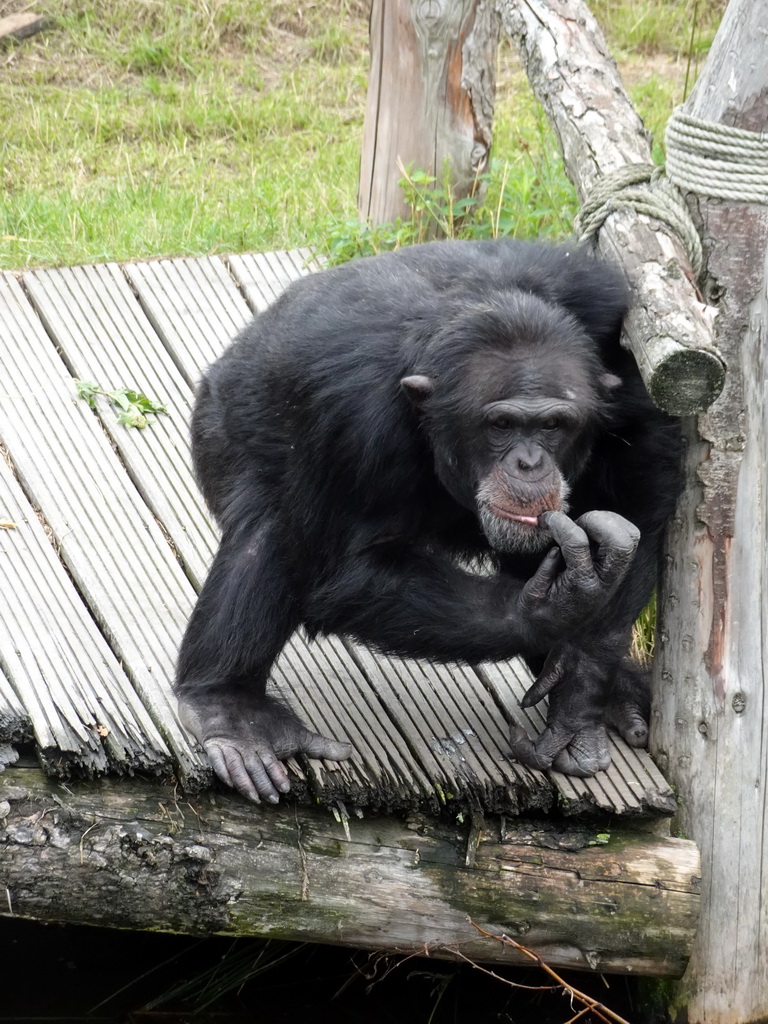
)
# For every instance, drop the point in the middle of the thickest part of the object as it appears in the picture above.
(599, 1009)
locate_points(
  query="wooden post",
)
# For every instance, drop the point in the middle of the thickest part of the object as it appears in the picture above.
(709, 726)
(430, 97)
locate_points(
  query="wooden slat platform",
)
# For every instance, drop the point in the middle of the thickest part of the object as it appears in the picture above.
(112, 540)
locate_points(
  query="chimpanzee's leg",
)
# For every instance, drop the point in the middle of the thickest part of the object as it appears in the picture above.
(246, 612)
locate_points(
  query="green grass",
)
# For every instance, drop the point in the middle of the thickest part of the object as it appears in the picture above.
(165, 127)
(195, 128)
(659, 26)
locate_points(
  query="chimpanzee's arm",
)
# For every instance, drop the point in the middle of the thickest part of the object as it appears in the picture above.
(245, 614)
(591, 682)
(419, 603)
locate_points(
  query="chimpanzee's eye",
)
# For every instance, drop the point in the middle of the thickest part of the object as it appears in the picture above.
(502, 422)
(551, 424)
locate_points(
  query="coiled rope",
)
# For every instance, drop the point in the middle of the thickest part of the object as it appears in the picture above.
(644, 188)
(716, 159)
(703, 157)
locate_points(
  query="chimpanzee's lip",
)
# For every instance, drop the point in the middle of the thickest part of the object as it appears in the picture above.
(515, 516)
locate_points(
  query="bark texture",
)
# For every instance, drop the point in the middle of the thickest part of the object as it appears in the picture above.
(669, 329)
(710, 729)
(135, 855)
(430, 97)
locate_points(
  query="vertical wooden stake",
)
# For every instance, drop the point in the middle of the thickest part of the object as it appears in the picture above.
(430, 97)
(710, 725)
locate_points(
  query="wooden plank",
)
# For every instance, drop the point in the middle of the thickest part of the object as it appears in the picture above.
(456, 731)
(105, 534)
(194, 332)
(15, 724)
(628, 903)
(20, 26)
(84, 713)
(102, 335)
(264, 276)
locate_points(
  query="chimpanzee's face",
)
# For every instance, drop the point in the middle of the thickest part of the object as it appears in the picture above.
(511, 423)
(520, 440)
(527, 440)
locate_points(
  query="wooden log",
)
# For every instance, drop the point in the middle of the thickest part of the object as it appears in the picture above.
(668, 329)
(709, 726)
(19, 26)
(129, 854)
(430, 97)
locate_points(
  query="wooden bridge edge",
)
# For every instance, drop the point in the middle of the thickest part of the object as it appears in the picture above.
(140, 855)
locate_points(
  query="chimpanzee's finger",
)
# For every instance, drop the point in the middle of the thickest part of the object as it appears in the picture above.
(546, 681)
(542, 752)
(315, 745)
(241, 778)
(523, 750)
(574, 545)
(216, 757)
(275, 769)
(260, 765)
(629, 723)
(617, 541)
(538, 586)
(586, 754)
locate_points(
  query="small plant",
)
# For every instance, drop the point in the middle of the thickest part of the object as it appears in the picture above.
(527, 197)
(135, 406)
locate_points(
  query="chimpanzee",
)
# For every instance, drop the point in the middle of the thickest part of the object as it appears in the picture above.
(443, 452)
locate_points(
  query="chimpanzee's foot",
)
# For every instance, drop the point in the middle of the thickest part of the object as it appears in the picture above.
(575, 740)
(246, 738)
(629, 708)
(582, 753)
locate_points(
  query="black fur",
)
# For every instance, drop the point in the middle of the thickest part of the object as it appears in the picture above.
(348, 502)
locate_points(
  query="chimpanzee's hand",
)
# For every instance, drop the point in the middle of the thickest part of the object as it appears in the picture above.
(597, 550)
(246, 737)
(585, 695)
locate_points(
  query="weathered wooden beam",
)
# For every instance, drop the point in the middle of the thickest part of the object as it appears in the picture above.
(431, 92)
(19, 26)
(709, 724)
(668, 329)
(134, 854)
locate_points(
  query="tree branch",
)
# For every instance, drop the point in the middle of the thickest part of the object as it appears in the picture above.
(668, 329)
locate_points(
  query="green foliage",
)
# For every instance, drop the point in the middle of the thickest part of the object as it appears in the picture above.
(659, 26)
(159, 128)
(135, 406)
(528, 196)
(177, 129)
(644, 632)
(601, 839)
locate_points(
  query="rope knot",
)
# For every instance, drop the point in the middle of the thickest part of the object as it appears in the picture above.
(645, 189)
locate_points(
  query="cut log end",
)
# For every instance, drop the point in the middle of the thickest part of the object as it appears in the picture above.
(687, 381)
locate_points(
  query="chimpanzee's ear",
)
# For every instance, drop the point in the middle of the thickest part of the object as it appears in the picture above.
(417, 387)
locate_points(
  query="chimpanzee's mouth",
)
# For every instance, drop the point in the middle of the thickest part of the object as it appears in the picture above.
(528, 520)
(517, 517)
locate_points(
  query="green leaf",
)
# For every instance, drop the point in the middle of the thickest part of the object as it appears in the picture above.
(133, 417)
(87, 389)
(120, 397)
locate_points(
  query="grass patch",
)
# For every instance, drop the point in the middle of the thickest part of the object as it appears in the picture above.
(659, 26)
(213, 127)
(228, 125)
